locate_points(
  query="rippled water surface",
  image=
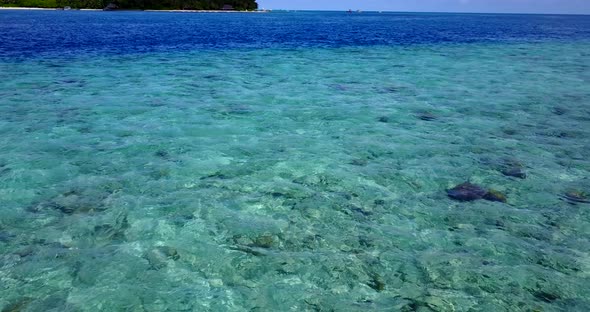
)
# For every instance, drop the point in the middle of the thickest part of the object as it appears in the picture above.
(293, 162)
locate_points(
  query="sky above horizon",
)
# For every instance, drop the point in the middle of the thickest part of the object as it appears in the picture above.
(499, 6)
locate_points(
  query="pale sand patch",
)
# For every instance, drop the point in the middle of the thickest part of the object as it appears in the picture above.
(25, 8)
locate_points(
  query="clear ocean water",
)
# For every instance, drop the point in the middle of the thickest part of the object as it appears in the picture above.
(293, 162)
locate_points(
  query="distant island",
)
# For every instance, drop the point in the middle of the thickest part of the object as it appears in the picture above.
(227, 5)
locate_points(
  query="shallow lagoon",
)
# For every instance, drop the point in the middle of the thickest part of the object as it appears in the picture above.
(283, 179)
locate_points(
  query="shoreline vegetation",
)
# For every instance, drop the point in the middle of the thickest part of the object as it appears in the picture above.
(181, 11)
(213, 6)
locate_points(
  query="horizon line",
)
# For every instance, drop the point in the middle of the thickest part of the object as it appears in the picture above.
(451, 12)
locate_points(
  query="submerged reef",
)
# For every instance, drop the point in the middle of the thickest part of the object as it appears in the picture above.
(512, 168)
(466, 192)
(576, 197)
(469, 192)
(426, 116)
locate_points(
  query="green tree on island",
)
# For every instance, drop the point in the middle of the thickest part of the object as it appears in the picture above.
(136, 4)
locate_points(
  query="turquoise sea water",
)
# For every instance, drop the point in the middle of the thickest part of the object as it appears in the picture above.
(297, 179)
